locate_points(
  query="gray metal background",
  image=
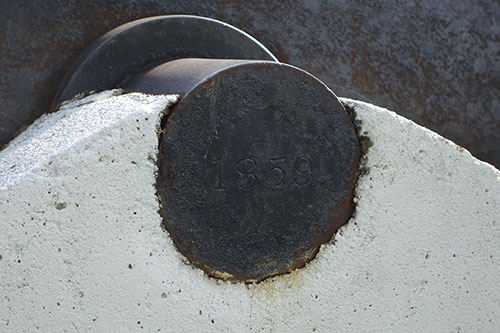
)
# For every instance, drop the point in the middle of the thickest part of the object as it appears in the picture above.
(436, 62)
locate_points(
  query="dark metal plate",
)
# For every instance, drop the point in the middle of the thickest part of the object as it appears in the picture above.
(436, 62)
(257, 170)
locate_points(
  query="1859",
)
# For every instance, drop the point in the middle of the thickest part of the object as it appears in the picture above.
(248, 173)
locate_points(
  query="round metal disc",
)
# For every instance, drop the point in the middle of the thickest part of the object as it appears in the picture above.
(257, 170)
(135, 46)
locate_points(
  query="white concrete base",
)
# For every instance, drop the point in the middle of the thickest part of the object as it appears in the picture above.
(82, 248)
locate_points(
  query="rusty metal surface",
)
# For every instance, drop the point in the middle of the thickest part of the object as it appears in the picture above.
(436, 62)
(257, 166)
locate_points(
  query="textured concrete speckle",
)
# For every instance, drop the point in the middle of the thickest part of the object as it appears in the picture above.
(420, 254)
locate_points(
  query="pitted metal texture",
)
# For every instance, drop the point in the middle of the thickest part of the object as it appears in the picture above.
(436, 63)
(257, 167)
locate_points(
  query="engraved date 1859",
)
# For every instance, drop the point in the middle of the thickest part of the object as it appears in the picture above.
(273, 173)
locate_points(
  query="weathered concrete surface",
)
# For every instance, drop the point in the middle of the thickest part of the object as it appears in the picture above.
(82, 248)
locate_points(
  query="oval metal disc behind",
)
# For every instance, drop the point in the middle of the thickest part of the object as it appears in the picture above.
(133, 47)
(257, 170)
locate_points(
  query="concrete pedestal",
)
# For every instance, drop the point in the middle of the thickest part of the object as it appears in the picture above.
(82, 249)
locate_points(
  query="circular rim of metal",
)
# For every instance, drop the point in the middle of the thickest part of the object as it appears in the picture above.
(161, 40)
(339, 210)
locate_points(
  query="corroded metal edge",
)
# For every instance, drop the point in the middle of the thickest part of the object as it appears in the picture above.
(340, 214)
